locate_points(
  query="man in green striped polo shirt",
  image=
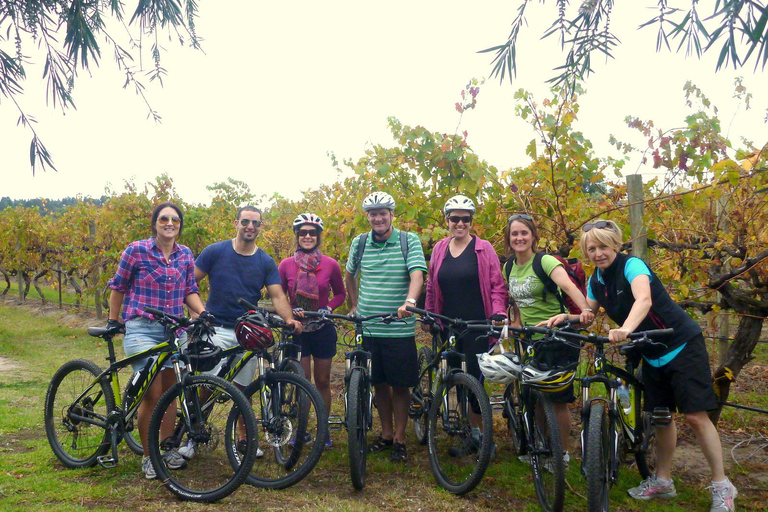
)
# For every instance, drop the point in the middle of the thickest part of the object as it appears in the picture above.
(391, 277)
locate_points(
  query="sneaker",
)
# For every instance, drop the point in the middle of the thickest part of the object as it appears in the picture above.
(723, 497)
(399, 453)
(148, 469)
(242, 445)
(173, 460)
(548, 463)
(379, 445)
(329, 443)
(188, 450)
(468, 446)
(651, 488)
(307, 439)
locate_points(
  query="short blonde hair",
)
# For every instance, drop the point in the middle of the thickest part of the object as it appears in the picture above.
(609, 235)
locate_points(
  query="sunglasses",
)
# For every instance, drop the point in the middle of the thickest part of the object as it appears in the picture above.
(245, 222)
(466, 219)
(517, 216)
(601, 224)
(166, 219)
(307, 232)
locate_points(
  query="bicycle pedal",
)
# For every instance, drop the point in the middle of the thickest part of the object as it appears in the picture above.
(497, 402)
(416, 410)
(661, 417)
(335, 422)
(106, 461)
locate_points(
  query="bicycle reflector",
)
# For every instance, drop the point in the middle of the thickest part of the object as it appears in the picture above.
(251, 332)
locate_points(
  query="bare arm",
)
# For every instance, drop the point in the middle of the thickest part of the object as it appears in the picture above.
(561, 279)
(351, 283)
(282, 306)
(115, 304)
(641, 291)
(195, 304)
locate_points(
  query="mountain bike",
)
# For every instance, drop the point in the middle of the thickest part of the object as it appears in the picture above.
(528, 408)
(610, 428)
(358, 393)
(446, 397)
(83, 422)
(289, 409)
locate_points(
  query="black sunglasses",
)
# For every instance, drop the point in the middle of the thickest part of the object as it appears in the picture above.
(516, 216)
(245, 222)
(166, 219)
(466, 219)
(601, 224)
(307, 232)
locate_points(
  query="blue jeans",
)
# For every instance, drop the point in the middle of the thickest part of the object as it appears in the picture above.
(142, 334)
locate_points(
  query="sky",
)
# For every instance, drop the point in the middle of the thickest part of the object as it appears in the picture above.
(281, 84)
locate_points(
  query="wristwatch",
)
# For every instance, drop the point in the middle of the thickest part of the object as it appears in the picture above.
(411, 301)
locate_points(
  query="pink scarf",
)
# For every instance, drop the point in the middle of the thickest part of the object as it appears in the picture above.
(306, 290)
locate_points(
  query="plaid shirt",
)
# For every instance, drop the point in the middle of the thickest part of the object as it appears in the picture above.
(147, 279)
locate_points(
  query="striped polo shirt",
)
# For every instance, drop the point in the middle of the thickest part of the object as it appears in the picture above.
(384, 281)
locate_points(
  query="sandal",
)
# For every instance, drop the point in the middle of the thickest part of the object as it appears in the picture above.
(379, 445)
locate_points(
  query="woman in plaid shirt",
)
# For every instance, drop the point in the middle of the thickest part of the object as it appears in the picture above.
(159, 273)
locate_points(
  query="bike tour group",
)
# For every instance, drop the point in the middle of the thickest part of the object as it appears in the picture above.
(473, 306)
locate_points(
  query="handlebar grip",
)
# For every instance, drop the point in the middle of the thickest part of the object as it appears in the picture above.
(414, 309)
(247, 304)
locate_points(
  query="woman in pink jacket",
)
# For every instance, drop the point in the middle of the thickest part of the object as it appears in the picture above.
(309, 277)
(465, 282)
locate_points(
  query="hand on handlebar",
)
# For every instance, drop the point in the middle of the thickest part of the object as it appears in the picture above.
(586, 318)
(618, 335)
(298, 312)
(402, 312)
(115, 325)
(297, 326)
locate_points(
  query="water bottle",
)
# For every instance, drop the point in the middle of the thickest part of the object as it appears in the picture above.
(624, 399)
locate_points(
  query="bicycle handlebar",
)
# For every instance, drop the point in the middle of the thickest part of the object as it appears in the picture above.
(181, 321)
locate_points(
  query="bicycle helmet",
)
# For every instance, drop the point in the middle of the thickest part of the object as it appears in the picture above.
(307, 219)
(548, 380)
(203, 355)
(459, 203)
(252, 332)
(378, 200)
(500, 368)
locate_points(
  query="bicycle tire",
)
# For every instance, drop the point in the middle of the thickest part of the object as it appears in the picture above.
(357, 427)
(288, 457)
(211, 473)
(424, 390)
(513, 412)
(597, 459)
(76, 443)
(457, 462)
(292, 366)
(546, 452)
(131, 432)
(645, 449)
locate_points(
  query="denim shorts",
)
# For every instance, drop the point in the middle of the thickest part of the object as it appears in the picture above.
(142, 334)
(225, 338)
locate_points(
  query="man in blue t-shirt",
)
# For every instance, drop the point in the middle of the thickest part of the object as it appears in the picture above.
(236, 269)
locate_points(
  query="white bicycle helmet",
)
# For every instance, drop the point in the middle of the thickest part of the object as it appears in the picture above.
(378, 200)
(500, 368)
(307, 218)
(459, 203)
(549, 381)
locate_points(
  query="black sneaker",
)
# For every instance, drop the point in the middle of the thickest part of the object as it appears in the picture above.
(399, 453)
(469, 446)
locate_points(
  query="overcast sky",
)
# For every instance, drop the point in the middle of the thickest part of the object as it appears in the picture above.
(281, 84)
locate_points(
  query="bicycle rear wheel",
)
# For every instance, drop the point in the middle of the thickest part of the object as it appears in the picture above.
(458, 460)
(357, 427)
(203, 406)
(293, 426)
(423, 392)
(513, 413)
(596, 459)
(546, 452)
(76, 427)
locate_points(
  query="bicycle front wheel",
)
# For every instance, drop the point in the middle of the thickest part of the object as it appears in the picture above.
(357, 427)
(202, 406)
(546, 452)
(131, 433)
(645, 450)
(76, 425)
(457, 459)
(596, 459)
(293, 426)
(423, 392)
(513, 414)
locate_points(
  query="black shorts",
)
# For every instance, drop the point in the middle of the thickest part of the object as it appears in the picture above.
(393, 361)
(559, 355)
(471, 344)
(684, 384)
(320, 344)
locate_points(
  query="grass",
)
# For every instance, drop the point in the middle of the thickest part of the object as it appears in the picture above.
(31, 478)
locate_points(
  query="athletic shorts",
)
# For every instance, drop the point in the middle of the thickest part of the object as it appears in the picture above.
(393, 361)
(224, 339)
(320, 344)
(142, 334)
(471, 345)
(684, 384)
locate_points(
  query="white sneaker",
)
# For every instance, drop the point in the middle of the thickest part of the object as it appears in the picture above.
(188, 450)
(723, 497)
(148, 469)
(173, 460)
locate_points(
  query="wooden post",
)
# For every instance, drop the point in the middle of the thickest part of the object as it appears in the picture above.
(96, 279)
(724, 328)
(58, 273)
(20, 275)
(637, 230)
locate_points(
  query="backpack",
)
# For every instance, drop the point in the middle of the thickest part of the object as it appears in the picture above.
(361, 248)
(573, 268)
